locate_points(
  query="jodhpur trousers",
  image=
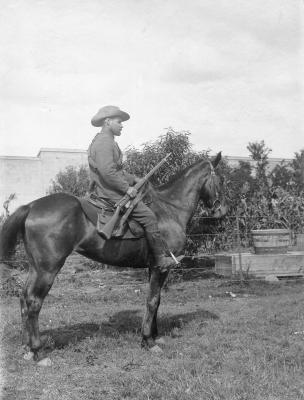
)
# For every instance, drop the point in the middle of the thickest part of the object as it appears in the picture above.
(145, 216)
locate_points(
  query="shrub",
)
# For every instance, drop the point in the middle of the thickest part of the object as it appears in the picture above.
(71, 180)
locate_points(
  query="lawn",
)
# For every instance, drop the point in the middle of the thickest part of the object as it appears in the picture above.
(221, 341)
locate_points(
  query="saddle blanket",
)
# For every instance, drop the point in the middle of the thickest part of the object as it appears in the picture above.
(91, 208)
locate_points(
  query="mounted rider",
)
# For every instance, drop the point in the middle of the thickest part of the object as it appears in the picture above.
(109, 181)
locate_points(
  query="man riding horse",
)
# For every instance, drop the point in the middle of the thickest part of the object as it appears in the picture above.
(54, 226)
(110, 182)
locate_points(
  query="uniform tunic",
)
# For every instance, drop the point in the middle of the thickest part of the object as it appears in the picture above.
(110, 181)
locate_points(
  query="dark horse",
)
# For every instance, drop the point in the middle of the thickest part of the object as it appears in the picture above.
(54, 226)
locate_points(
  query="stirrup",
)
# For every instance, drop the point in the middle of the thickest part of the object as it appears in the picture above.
(165, 263)
(179, 258)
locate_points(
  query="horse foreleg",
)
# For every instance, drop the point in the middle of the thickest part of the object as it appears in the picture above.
(149, 325)
(154, 329)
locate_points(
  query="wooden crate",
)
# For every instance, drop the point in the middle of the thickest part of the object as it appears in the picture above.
(261, 265)
(299, 246)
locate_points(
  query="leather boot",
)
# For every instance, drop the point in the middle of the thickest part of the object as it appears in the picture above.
(156, 245)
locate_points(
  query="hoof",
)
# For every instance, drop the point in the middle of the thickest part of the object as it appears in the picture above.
(29, 356)
(147, 343)
(45, 362)
(25, 340)
(160, 340)
(47, 342)
(156, 349)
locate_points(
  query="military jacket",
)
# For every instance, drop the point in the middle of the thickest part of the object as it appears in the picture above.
(107, 178)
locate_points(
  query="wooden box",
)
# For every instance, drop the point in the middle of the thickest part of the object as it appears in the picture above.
(260, 265)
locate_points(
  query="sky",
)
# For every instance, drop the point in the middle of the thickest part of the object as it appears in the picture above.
(228, 71)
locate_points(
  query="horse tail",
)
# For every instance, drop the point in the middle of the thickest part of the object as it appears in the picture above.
(12, 227)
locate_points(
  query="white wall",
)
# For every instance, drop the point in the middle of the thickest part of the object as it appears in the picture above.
(30, 177)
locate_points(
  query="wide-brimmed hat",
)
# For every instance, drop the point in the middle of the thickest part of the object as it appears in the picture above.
(109, 112)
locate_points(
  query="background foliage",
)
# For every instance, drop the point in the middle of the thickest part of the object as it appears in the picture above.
(141, 161)
(258, 196)
(71, 180)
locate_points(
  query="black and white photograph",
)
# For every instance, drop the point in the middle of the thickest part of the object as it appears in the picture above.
(151, 200)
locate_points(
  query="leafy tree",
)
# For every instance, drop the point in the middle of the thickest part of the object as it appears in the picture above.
(241, 178)
(71, 180)
(281, 175)
(259, 152)
(140, 162)
(7, 202)
(4, 215)
(297, 165)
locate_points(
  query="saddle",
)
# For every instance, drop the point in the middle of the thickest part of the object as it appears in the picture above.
(99, 211)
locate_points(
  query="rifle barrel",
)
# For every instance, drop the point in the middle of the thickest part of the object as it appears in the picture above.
(122, 202)
(150, 173)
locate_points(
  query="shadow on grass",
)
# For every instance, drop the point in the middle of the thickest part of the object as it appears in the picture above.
(122, 322)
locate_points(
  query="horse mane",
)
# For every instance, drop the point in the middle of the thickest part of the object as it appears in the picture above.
(178, 175)
(158, 196)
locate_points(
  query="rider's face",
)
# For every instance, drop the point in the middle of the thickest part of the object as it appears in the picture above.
(115, 126)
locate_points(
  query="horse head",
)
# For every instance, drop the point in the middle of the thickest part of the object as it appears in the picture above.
(212, 192)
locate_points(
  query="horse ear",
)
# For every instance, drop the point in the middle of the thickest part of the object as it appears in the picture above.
(216, 159)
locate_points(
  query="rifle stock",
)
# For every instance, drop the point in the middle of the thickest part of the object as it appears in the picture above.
(108, 228)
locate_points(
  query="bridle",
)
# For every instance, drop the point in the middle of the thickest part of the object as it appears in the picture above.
(217, 203)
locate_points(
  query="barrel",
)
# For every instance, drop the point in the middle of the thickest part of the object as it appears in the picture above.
(271, 241)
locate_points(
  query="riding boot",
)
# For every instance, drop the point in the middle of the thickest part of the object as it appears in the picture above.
(156, 245)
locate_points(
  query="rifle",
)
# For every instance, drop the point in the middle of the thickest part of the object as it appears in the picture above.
(108, 228)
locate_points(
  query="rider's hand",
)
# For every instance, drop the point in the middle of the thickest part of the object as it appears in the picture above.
(132, 192)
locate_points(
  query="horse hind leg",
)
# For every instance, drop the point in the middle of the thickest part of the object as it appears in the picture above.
(23, 305)
(38, 285)
(27, 292)
(24, 319)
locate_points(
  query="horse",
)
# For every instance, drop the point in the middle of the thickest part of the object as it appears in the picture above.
(54, 226)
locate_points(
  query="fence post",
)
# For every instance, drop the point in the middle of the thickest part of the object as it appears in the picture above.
(239, 248)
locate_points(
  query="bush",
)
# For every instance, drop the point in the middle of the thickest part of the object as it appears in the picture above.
(71, 180)
(258, 198)
(140, 162)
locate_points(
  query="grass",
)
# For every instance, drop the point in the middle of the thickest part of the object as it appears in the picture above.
(217, 346)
